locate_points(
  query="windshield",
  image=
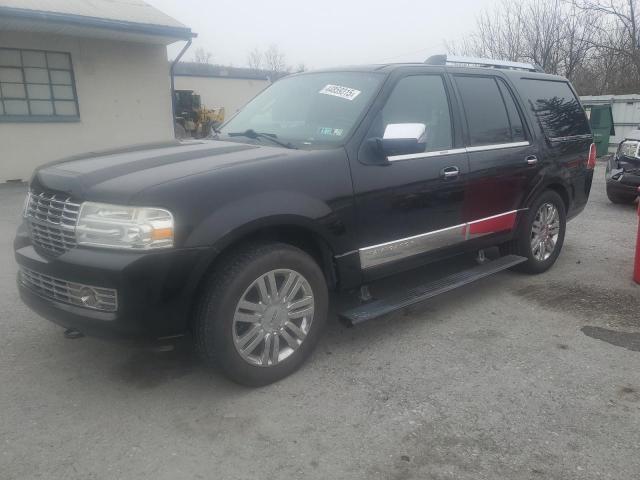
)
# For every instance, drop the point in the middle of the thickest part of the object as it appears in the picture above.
(315, 109)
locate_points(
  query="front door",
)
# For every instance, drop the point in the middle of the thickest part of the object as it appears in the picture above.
(413, 204)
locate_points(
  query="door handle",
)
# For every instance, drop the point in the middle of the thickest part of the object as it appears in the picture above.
(531, 160)
(450, 172)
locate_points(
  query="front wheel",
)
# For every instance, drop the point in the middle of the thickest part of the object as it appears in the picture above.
(541, 235)
(262, 313)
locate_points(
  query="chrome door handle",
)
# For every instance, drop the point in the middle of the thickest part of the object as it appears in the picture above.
(450, 172)
(531, 160)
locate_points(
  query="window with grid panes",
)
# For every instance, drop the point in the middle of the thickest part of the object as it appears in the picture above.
(37, 85)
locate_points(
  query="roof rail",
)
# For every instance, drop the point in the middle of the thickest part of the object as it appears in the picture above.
(481, 62)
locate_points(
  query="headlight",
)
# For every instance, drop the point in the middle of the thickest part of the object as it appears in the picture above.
(130, 228)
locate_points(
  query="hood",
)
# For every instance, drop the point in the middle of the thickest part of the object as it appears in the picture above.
(112, 176)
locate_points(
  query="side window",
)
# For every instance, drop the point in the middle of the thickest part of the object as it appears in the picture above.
(556, 108)
(418, 99)
(485, 110)
(517, 130)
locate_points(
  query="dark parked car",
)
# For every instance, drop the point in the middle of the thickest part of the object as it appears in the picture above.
(623, 170)
(326, 181)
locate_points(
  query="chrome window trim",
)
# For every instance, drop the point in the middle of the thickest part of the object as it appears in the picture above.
(454, 151)
(416, 156)
(497, 146)
(383, 253)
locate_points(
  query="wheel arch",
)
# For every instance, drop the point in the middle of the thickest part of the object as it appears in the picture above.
(561, 190)
(292, 230)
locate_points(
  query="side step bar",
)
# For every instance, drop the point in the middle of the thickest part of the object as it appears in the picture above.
(377, 308)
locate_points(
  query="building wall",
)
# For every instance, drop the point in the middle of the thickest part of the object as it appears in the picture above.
(230, 93)
(123, 93)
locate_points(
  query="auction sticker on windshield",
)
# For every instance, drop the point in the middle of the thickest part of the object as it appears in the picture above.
(341, 92)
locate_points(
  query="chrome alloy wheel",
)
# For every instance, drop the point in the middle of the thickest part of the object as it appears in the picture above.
(273, 317)
(545, 231)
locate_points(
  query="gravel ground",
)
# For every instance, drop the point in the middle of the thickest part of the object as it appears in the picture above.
(515, 377)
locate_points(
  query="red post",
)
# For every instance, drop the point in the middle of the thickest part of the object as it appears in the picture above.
(636, 272)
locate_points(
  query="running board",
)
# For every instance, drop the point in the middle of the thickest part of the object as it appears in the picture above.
(378, 308)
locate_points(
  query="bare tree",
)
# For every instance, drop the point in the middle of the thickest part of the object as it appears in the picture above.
(620, 27)
(255, 59)
(202, 56)
(595, 43)
(275, 60)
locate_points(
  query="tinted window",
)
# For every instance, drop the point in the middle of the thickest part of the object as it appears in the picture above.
(485, 110)
(515, 121)
(418, 99)
(556, 108)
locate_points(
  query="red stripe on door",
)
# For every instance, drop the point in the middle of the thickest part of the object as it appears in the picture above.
(499, 223)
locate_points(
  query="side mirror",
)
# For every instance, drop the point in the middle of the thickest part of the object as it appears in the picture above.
(403, 139)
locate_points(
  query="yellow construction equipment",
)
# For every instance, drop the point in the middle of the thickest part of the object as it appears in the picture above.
(192, 118)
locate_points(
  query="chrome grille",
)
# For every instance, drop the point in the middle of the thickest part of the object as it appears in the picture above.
(95, 298)
(52, 221)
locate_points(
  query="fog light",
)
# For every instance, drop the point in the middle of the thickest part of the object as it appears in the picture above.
(89, 297)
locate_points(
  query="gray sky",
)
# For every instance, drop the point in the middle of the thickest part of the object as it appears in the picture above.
(324, 33)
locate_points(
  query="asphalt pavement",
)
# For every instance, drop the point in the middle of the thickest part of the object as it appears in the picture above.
(515, 377)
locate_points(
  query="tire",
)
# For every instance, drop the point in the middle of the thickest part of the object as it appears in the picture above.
(222, 326)
(522, 245)
(620, 198)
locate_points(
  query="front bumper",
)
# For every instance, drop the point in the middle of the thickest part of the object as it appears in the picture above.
(627, 184)
(156, 290)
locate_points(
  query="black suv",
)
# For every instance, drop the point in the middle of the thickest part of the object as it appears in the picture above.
(326, 181)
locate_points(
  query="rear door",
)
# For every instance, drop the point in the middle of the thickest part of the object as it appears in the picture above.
(503, 160)
(565, 134)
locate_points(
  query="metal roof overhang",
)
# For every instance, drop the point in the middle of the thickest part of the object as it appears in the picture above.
(23, 20)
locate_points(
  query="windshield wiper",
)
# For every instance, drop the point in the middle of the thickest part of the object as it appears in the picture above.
(251, 133)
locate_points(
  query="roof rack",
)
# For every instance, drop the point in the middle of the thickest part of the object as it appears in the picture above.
(481, 62)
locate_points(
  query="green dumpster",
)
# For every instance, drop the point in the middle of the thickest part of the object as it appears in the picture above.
(601, 119)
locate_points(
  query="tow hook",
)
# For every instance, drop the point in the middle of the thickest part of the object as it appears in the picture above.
(72, 334)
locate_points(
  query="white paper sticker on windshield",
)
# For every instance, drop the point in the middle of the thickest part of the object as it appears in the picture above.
(341, 92)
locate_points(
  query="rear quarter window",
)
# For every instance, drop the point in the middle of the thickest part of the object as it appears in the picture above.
(556, 107)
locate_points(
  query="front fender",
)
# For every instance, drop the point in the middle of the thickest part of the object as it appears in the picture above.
(238, 218)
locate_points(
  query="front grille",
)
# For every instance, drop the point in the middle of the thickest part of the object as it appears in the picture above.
(52, 220)
(95, 298)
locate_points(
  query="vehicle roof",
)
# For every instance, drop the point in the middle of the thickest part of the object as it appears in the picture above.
(391, 67)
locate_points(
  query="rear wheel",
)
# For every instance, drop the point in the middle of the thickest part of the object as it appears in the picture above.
(262, 313)
(541, 235)
(620, 198)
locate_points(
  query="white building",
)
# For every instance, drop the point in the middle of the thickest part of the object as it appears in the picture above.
(79, 76)
(218, 86)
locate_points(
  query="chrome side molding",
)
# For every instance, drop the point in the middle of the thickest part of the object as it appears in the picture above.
(377, 255)
(406, 247)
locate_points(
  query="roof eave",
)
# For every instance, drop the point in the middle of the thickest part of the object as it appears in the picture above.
(179, 33)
